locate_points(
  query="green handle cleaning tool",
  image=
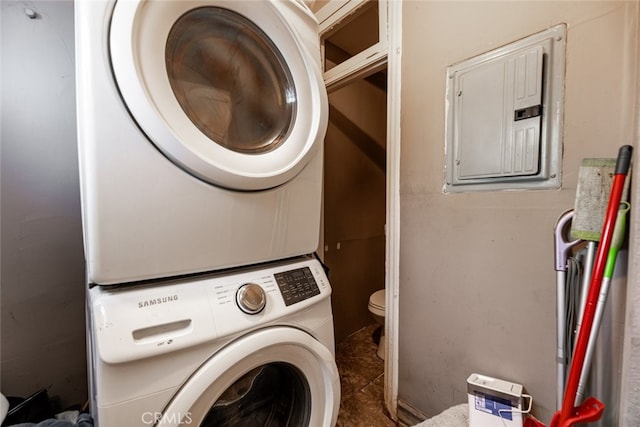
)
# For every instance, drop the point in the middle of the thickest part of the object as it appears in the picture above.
(617, 240)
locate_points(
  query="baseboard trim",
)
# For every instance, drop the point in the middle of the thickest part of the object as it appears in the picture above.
(408, 415)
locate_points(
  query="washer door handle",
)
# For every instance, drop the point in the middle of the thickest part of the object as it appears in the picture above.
(251, 298)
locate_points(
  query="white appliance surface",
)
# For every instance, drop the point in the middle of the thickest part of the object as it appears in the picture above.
(166, 352)
(159, 197)
(494, 402)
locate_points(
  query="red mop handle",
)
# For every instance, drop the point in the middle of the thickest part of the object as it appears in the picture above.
(622, 168)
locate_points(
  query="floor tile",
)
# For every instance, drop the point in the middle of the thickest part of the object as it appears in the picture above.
(361, 381)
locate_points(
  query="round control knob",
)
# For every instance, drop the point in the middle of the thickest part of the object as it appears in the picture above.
(251, 298)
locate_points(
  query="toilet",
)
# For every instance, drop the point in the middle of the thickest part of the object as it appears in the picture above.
(377, 309)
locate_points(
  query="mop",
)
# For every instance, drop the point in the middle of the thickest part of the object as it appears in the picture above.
(591, 409)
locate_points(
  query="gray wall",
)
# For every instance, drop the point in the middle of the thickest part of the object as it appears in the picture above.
(42, 268)
(477, 284)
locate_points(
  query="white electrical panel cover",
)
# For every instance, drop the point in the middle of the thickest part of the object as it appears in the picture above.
(504, 116)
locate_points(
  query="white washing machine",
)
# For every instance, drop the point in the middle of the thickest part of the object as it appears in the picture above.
(248, 347)
(200, 128)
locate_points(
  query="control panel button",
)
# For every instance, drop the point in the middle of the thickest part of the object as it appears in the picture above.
(297, 285)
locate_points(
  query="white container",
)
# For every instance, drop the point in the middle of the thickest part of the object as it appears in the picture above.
(492, 402)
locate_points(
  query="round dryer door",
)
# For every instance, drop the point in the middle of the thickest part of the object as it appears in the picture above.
(230, 91)
(274, 377)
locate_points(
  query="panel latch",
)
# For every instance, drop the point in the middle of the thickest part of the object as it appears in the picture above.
(527, 113)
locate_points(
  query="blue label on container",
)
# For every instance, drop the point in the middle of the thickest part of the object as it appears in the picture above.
(493, 405)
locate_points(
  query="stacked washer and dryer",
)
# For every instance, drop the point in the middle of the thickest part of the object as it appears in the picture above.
(200, 127)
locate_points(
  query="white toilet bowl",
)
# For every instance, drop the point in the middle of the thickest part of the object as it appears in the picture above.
(377, 309)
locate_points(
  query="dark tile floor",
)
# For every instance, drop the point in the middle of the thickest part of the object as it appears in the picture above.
(361, 381)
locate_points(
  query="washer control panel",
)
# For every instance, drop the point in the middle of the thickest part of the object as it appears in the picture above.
(141, 321)
(297, 285)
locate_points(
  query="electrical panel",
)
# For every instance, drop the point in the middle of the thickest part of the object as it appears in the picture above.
(504, 116)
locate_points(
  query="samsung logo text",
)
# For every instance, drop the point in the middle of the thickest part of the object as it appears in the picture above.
(157, 301)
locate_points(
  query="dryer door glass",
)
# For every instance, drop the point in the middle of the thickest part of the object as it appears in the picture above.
(230, 80)
(270, 395)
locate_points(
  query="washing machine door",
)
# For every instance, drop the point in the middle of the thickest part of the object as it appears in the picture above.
(278, 376)
(229, 91)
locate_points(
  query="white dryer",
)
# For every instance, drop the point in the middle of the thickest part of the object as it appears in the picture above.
(200, 128)
(248, 347)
